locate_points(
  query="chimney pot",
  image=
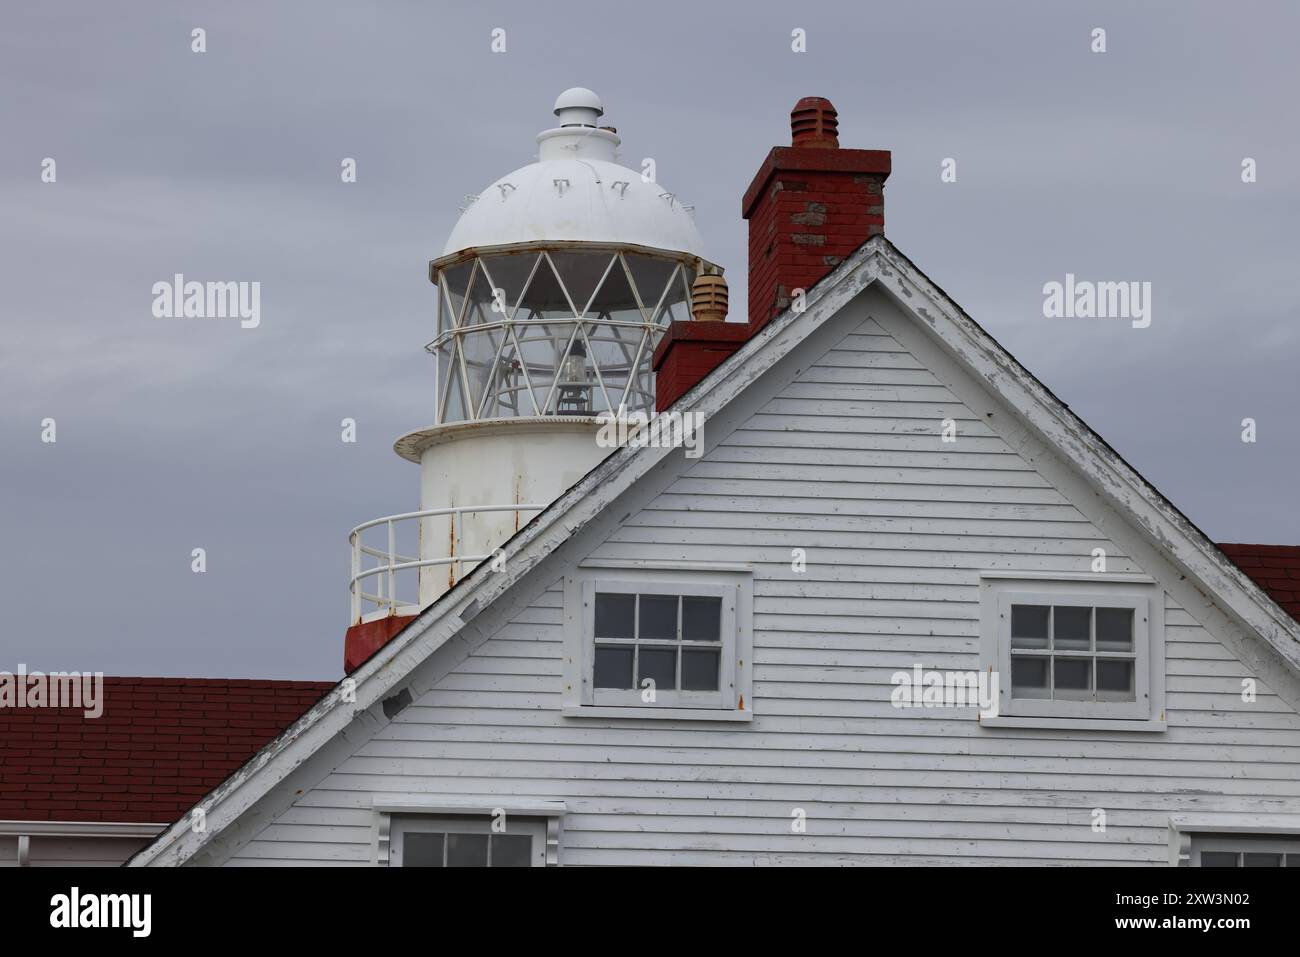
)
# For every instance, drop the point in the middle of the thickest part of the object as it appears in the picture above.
(814, 124)
(709, 299)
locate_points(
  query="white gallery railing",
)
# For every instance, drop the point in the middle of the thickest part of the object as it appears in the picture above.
(384, 576)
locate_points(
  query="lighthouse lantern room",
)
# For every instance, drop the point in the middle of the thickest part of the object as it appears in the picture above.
(554, 288)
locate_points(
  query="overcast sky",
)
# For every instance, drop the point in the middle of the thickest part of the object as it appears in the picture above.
(177, 434)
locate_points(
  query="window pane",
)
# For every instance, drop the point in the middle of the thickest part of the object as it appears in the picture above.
(659, 664)
(614, 615)
(1293, 860)
(613, 667)
(651, 276)
(701, 619)
(1114, 629)
(1115, 680)
(1029, 626)
(1029, 677)
(700, 669)
(421, 850)
(1073, 678)
(1263, 860)
(512, 850)
(1218, 859)
(1071, 627)
(467, 850)
(659, 617)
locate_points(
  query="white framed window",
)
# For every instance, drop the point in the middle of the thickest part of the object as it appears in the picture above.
(1234, 839)
(467, 841)
(459, 831)
(660, 642)
(1240, 850)
(1069, 653)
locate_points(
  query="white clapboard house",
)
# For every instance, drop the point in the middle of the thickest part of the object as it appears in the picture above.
(864, 592)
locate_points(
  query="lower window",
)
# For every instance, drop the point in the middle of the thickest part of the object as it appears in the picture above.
(467, 842)
(1236, 851)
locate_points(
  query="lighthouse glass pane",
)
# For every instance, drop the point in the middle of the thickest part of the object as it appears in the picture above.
(507, 275)
(620, 351)
(480, 301)
(640, 391)
(507, 390)
(614, 333)
(545, 294)
(582, 273)
(481, 361)
(454, 407)
(650, 276)
(577, 387)
(673, 311)
(442, 358)
(615, 298)
(455, 280)
(675, 301)
(543, 344)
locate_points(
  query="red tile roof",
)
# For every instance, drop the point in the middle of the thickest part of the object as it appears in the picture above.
(159, 746)
(1275, 568)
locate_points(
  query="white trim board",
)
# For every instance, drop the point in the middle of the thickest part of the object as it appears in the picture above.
(79, 829)
(459, 804)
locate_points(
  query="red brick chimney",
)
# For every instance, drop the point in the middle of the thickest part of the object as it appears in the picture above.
(810, 206)
(693, 348)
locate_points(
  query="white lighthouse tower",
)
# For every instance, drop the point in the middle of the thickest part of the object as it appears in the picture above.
(553, 291)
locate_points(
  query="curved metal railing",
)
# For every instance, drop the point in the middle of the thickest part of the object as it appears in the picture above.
(389, 561)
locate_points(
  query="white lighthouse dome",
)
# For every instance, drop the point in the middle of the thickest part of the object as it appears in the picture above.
(576, 192)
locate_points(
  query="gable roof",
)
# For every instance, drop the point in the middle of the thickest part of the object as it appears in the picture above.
(159, 745)
(877, 262)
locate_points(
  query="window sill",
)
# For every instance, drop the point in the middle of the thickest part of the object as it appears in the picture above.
(1073, 724)
(651, 712)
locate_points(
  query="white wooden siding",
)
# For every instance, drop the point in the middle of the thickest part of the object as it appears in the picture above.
(844, 460)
